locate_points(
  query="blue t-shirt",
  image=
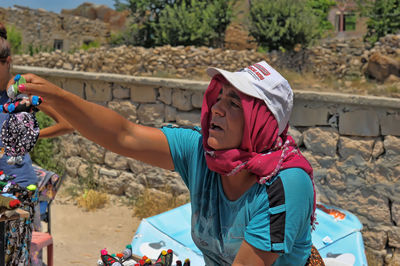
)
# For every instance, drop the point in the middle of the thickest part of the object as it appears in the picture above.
(273, 217)
(25, 175)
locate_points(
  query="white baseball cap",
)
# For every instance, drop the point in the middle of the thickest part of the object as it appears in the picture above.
(261, 81)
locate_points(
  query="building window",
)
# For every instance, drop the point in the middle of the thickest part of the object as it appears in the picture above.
(58, 44)
(350, 20)
(345, 21)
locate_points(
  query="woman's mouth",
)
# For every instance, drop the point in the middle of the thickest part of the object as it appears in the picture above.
(216, 127)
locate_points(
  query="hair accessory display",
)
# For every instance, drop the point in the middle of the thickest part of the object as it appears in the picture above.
(13, 195)
(12, 188)
(126, 258)
(7, 203)
(20, 131)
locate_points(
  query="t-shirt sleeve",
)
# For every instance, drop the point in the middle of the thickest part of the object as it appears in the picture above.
(284, 213)
(184, 146)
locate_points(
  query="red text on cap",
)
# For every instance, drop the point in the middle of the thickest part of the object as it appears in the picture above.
(262, 69)
(254, 70)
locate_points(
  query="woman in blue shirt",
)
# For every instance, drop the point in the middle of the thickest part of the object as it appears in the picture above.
(251, 190)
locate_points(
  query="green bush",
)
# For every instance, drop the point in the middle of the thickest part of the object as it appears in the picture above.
(116, 38)
(38, 49)
(384, 18)
(43, 152)
(92, 44)
(193, 23)
(187, 22)
(282, 24)
(14, 37)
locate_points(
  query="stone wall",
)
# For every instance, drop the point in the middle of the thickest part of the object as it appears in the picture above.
(41, 28)
(348, 58)
(353, 143)
(337, 59)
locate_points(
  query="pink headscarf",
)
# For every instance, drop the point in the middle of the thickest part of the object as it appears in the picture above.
(262, 152)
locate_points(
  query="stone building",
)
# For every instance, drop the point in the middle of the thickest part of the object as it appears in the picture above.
(43, 30)
(346, 20)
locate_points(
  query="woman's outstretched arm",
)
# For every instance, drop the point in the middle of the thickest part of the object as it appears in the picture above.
(102, 125)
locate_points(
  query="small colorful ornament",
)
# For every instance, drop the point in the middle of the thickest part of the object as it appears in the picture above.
(20, 131)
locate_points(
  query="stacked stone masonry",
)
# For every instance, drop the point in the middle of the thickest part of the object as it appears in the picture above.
(352, 142)
(40, 29)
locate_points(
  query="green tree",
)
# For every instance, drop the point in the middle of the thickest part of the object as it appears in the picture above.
(282, 23)
(144, 14)
(384, 18)
(321, 8)
(193, 23)
(186, 16)
(14, 36)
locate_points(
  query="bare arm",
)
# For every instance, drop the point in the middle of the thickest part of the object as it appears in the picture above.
(61, 127)
(102, 125)
(249, 255)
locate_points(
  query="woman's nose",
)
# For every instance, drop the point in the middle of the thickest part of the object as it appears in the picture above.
(218, 109)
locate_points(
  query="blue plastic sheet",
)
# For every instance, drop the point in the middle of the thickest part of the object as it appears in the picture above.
(339, 241)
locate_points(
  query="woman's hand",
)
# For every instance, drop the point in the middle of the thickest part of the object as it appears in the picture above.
(38, 86)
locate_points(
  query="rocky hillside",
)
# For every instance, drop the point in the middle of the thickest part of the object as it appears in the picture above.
(115, 19)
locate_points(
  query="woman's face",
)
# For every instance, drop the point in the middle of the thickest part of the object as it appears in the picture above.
(227, 120)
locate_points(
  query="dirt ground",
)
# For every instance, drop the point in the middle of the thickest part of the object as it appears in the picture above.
(79, 235)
